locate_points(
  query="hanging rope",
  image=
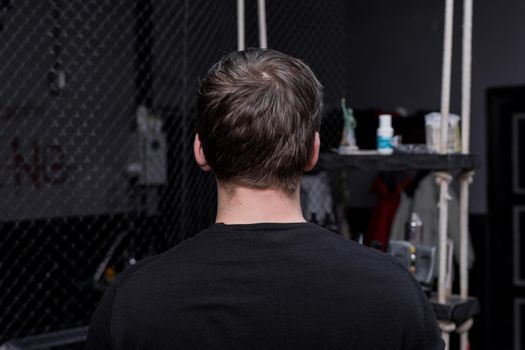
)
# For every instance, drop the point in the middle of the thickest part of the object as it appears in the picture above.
(465, 181)
(466, 178)
(445, 78)
(465, 326)
(466, 75)
(446, 327)
(443, 179)
(443, 176)
(463, 330)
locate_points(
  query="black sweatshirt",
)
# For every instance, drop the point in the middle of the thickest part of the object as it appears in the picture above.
(265, 286)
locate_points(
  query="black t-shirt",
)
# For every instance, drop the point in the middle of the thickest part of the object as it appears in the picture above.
(265, 286)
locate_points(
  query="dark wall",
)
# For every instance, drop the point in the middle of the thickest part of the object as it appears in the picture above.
(56, 230)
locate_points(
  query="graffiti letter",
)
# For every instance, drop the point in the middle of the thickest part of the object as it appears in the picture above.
(21, 166)
(55, 171)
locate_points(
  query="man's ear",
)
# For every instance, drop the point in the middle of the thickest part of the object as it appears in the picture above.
(315, 154)
(199, 154)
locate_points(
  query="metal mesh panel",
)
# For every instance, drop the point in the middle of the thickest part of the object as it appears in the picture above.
(96, 131)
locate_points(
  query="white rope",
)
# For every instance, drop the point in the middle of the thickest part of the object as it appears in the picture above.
(463, 330)
(261, 16)
(446, 328)
(465, 181)
(465, 326)
(466, 75)
(240, 25)
(466, 178)
(443, 179)
(464, 341)
(445, 78)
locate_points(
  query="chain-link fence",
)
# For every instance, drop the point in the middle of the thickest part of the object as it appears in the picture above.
(96, 127)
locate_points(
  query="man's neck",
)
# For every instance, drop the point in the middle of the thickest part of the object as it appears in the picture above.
(244, 205)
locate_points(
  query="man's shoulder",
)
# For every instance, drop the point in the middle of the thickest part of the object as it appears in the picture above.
(147, 272)
(132, 271)
(370, 267)
(311, 245)
(364, 256)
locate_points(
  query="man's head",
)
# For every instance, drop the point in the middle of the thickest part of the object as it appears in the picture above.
(259, 113)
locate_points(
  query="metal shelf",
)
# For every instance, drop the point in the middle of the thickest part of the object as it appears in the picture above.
(399, 162)
(455, 309)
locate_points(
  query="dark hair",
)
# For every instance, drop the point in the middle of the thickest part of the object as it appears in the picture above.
(258, 111)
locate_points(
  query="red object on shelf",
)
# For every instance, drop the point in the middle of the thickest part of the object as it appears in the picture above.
(384, 211)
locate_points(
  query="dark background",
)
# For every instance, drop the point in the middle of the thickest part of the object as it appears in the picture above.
(65, 196)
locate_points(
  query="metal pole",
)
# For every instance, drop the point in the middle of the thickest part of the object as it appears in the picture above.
(261, 16)
(240, 25)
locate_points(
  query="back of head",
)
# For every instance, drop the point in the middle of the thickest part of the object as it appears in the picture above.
(258, 111)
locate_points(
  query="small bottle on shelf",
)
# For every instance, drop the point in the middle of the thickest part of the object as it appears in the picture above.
(385, 133)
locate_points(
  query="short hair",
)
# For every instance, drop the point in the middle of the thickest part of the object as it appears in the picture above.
(258, 111)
